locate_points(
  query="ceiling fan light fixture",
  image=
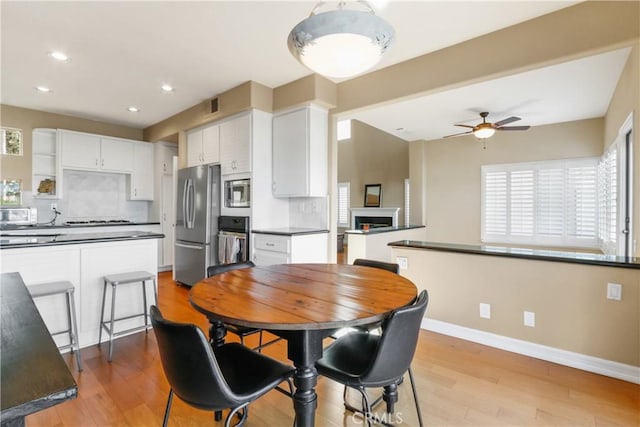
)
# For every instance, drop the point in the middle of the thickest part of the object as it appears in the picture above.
(340, 43)
(484, 132)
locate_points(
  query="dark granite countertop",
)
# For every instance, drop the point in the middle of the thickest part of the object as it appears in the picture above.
(12, 228)
(53, 239)
(379, 230)
(524, 253)
(290, 231)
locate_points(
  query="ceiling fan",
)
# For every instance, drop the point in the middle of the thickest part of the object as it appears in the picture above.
(485, 129)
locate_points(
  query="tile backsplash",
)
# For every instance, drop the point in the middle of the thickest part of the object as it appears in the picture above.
(91, 195)
(309, 212)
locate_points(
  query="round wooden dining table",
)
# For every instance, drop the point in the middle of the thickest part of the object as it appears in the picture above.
(303, 303)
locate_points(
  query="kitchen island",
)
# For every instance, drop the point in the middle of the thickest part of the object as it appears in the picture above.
(83, 259)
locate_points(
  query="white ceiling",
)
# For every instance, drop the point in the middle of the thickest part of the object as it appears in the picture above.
(123, 51)
(575, 90)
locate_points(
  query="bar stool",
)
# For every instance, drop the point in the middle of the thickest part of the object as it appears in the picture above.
(116, 280)
(58, 288)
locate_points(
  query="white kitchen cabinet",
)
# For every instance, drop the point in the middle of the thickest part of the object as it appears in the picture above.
(235, 145)
(300, 152)
(271, 249)
(45, 164)
(87, 151)
(141, 178)
(203, 146)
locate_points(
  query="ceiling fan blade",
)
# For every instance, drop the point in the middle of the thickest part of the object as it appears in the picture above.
(513, 128)
(458, 134)
(507, 121)
(466, 126)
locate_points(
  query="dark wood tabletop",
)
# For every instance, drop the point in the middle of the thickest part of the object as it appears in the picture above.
(33, 374)
(302, 303)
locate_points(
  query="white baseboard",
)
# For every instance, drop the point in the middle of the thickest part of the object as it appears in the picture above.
(551, 354)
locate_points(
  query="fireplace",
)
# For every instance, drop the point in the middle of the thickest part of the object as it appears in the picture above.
(375, 217)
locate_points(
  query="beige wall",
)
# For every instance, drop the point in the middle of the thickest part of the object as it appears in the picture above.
(569, 300)
(452, 170)
(372, 156)
(14, 167)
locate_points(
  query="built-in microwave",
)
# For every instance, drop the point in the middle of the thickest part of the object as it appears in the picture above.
(18, 216)
(237, 193)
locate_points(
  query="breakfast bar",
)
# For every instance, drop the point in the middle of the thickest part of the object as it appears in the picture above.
(574, 308)
(82, 259)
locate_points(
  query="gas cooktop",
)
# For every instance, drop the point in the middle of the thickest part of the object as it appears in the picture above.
(98, 221)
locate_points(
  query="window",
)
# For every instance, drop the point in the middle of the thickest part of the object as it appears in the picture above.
(10, 192)
(608, 201)
(11, 141)
(343, 204)
(344, 130)
(551, 203)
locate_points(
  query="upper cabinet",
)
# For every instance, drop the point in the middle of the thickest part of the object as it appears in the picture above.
(47, 175)
(94, 152)
(300, 152)
(235, 145)
(141, 181)
(203, 146)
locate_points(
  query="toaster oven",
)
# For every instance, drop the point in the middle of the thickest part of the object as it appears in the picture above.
(18, 216)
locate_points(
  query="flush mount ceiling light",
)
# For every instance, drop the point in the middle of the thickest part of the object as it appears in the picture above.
(167, 88)
(60, 56)
(133, 109)
(42, 89)
(340, 43)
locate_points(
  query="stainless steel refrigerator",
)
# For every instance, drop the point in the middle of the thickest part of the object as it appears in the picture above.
(196, 222)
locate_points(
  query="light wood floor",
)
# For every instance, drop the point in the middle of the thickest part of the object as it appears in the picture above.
(459, 384)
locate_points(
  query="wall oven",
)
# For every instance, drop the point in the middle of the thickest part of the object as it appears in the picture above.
(237, 193)
(233, 239)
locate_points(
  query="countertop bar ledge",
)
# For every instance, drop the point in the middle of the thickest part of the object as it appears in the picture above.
(524, 253)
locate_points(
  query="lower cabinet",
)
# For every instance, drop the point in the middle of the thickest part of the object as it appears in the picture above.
(269, 249)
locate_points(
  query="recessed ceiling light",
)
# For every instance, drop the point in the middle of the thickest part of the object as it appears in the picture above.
(133, 109)
(43, 89)
(167, 88)
(60, 56)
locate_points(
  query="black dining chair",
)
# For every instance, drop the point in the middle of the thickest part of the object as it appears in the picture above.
(241, 331)
(389, 266)
(359, 360)
(214, 379)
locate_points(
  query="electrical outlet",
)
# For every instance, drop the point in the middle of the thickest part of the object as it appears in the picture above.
(485, 310)
(529, 319)
(403, 262)
(614, 291)
(54, 206)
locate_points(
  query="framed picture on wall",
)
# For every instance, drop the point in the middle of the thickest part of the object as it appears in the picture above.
(372, 195)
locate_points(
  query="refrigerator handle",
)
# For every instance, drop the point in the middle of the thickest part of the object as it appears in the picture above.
(182, 245)
(191, 207)
(185, 196)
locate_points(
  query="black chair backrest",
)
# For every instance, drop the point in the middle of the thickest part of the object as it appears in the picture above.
(389, 266)
(190, 364)
(223, 268)
(399, 331)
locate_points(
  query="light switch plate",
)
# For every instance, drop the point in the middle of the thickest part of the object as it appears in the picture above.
(529, 319)
(485, 310)
(614, 291)
(403, 262)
